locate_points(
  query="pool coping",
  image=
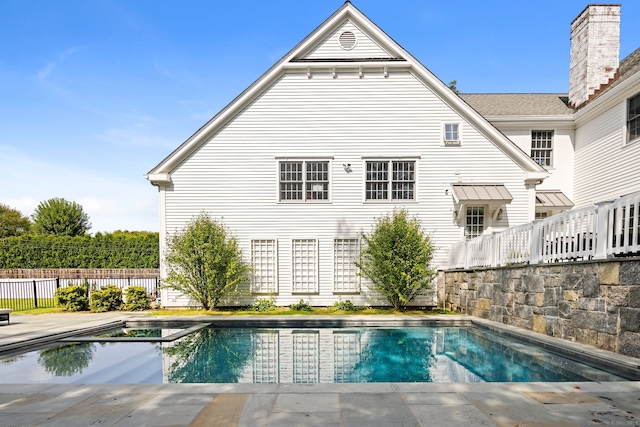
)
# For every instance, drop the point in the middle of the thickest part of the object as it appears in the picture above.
(607, 360)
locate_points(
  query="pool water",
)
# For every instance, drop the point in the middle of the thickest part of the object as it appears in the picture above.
(286, 355)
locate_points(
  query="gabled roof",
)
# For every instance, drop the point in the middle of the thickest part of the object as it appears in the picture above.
(629, 66)
(519, 104)
(390, 53)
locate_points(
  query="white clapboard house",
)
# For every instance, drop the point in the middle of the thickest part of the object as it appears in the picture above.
(348, 126)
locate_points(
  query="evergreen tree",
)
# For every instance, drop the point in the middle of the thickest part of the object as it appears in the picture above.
(60, 217)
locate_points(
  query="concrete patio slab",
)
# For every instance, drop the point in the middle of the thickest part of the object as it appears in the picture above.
(325, 404)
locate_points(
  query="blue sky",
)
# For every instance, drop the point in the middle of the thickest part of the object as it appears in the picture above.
(95, 93)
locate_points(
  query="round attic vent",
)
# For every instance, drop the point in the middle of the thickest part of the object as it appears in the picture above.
(347, 40)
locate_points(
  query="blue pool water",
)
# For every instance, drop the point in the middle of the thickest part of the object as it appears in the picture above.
(413, 354)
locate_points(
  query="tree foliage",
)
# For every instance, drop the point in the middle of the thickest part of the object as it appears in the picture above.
(104, 250)
(396, 258)
(12, 223)
(453, 85)
(60, 217)
(204, 262)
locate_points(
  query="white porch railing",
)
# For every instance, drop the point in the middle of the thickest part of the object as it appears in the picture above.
(596, 232)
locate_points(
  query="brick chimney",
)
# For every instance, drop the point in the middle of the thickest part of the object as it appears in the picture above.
(595, 50)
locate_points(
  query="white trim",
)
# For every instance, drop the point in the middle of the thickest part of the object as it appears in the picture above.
(350, 12)
(390, 161)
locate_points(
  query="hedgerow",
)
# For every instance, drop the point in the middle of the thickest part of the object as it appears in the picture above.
(108, 250)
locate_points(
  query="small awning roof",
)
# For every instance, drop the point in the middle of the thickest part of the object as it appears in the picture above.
(485, 193)
(552, 199)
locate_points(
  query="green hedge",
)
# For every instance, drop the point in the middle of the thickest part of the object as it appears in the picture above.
(109, 250)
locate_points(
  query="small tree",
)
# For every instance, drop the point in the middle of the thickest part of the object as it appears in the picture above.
(204, 262)
(12, 223)
(61, 218)
(396, 258)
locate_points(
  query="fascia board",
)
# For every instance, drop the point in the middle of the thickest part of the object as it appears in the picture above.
(184, 150)
(608, 100)
(419, 70)
(557, 121)
(522, 159)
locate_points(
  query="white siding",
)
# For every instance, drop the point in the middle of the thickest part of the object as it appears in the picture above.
(365, 47)
(561, 170)
(605, 167)
(234, 176)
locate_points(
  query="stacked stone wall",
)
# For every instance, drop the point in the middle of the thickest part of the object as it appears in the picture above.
(594, 303)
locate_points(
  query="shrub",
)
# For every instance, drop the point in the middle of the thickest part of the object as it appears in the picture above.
(263, 304)
(73, 298)
(396, 258)
(107, 298)
(301, 305)
(110, 250)
(137, 299)
(345, 306)
(205, 262)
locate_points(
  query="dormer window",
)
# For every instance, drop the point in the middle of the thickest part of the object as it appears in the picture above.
(633, 119)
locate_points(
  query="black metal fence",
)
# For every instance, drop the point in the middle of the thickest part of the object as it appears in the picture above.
(27, 294)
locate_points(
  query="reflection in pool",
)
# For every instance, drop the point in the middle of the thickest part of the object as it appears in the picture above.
(285, 355)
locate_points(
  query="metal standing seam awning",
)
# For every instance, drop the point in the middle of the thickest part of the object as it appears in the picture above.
(465, 194)
(494, 195)
(552, 199)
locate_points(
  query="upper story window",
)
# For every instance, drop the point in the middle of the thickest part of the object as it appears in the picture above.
(633, 118)
(542, 146)
(451, 134)
(390, 180)
(304, 180)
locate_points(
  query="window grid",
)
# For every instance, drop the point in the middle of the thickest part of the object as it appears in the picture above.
(633, 118)
(266, 365)
(377, 180)
(345, 253)
(306, 354)
(399, 185)
(541, 215)
(264, 255)
(542, 146)
(346, 356)
(290, 180)
(403, 179)
(451, 132)
(317, 180)
(305, 265)
(475, 222)
(312, 184)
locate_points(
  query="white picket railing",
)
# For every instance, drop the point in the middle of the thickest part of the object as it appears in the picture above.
(595, 232)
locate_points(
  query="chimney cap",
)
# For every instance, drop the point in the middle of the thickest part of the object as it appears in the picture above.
(618, 5)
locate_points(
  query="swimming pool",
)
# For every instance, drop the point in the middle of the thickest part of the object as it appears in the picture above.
(199, 354)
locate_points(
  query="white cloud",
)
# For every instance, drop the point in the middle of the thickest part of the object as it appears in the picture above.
(46, 71)
(112, 201)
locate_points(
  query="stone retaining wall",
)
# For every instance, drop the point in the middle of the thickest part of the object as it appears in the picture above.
(80, 273)
(595, 303)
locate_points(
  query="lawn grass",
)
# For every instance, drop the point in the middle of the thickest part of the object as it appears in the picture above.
(24, 305)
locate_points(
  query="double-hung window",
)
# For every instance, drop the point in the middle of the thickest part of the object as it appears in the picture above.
(304, 180)
(633, 119)
(390, 180)
(542, 147)
(451, 134)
